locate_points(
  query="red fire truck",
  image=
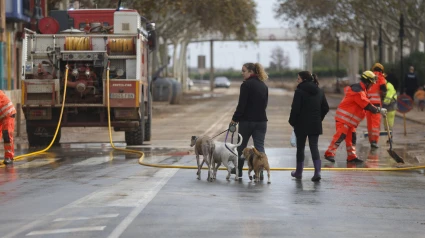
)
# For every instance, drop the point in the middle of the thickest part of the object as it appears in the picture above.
(89, 43)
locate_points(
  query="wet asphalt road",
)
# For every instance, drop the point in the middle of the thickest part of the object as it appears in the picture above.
(88, 190)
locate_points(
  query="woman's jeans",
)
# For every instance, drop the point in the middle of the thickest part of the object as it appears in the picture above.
(313, 141)
(258, 132)
(255, 129)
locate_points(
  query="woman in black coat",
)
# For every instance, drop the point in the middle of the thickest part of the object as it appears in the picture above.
(309, 108)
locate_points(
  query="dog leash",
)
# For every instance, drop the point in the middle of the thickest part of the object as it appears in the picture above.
(232, 128)
(220, 133)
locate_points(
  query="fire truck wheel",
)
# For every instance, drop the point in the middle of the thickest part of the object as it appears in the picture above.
(148, 127)
(136, 136)
(148, 122)
(42, 135)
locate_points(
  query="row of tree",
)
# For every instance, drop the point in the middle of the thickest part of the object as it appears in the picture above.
(359, 19)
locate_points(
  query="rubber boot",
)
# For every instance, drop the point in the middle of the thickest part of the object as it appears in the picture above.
(317, 168)
(298, 173)
(7, 161)
(240, 166)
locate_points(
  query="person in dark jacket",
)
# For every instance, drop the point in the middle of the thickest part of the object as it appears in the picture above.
(411, 82)
(250, 113)
(309, 108)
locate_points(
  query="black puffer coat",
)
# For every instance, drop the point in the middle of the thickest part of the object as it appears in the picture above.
(309, 108)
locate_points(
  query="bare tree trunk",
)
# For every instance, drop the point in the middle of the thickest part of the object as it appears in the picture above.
(163, 55)
(182, 61)
(154, 62)
(184, 69)
(371, 52)
(417, 39)
(175, 60)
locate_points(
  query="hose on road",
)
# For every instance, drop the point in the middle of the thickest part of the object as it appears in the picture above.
(19, 157)
(142, 155)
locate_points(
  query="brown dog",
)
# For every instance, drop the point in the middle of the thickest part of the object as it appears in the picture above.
(257, 161)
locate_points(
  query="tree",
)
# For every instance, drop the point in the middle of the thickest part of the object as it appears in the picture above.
(280, 60)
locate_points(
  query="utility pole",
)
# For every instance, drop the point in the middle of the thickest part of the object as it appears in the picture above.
(337, 90)
(380, 43)
(2, 39)
(401, 35)
(211, 65)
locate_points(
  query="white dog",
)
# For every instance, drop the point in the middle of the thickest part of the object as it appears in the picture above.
(223, 155)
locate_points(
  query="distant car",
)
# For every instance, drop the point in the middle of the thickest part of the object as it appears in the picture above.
(189, 83)
(221, 82)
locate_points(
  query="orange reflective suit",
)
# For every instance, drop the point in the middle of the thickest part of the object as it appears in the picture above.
(7, 124)
(375, 93)
(349, 114)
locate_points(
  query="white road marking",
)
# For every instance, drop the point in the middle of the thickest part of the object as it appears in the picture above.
(164, 175)
(158, 180)
(57, 231)
(86, 218)
(94, 161)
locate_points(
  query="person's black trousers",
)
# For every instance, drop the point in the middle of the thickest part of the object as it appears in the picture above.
(411, 93)
(313, 141)
(258, 132)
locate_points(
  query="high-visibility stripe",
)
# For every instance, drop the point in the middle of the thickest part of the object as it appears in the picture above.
(346, 119)
(7, 113)
(350, 118)
(374, 97)
(348, 114)
(6, 106)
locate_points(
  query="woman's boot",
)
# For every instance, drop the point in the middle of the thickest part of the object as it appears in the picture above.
(298, 173)
(241, 162)
(317, 168)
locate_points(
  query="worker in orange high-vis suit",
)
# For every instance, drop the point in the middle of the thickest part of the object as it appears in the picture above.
(7, 126)
(350, 112)
(376, 95)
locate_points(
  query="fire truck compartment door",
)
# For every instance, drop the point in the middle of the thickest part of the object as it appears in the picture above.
(123, 93)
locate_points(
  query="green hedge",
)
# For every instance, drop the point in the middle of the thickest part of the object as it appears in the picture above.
(290, 73)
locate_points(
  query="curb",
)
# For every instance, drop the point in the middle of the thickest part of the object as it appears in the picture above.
(410, 119)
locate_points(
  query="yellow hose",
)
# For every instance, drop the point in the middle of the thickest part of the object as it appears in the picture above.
(142, 155)
(19, 157)
(121, 45)
(77, 43)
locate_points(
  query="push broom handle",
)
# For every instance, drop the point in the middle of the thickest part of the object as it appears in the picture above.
(388, 132)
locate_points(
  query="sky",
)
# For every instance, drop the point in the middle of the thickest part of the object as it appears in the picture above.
(229, 54)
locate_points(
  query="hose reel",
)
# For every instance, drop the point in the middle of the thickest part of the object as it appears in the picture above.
(121, 45)
(77, 43)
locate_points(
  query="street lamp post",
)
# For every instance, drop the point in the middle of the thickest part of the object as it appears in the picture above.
(337, 65)
(364, 51)
(401, 35)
